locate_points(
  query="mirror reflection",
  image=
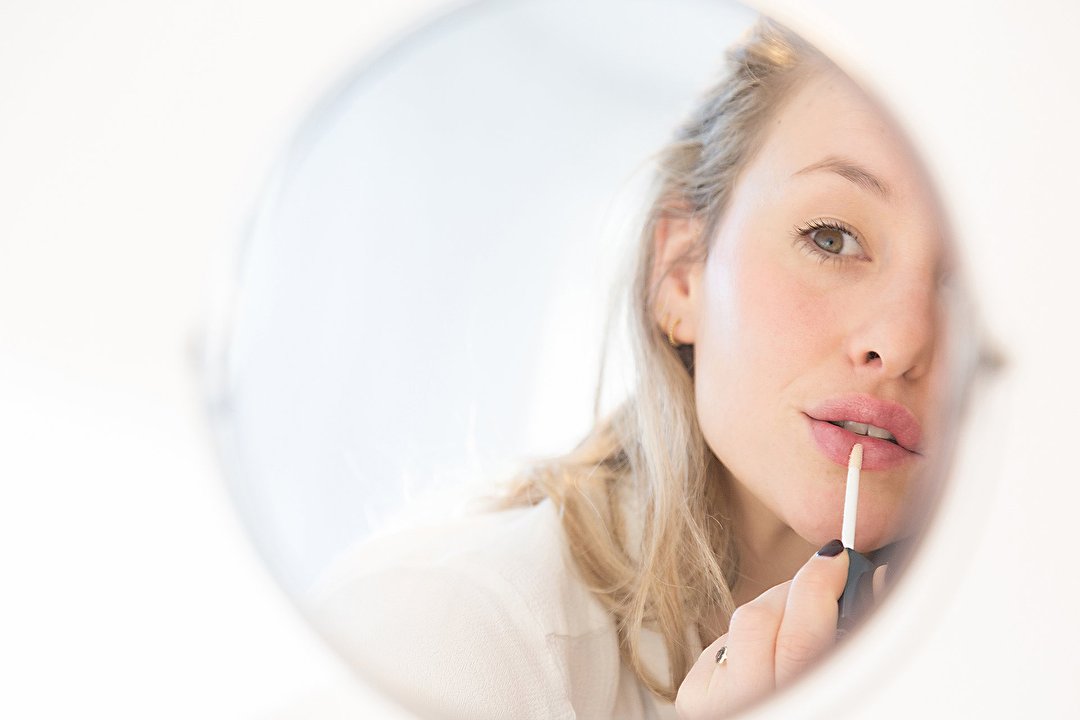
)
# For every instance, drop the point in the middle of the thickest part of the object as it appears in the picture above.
(679, 541)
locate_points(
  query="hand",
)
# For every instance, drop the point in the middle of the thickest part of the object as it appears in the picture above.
(770, 640)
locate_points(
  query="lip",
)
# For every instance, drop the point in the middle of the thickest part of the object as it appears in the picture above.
(836, 442)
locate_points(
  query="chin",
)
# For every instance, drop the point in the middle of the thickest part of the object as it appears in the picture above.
(817, 513)
(877, 526)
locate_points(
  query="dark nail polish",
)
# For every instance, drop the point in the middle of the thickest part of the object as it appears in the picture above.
(831, 549)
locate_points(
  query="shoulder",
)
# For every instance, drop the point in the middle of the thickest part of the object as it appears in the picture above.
(482, 616)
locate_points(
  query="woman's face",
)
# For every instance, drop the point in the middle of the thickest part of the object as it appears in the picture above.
(818, 302)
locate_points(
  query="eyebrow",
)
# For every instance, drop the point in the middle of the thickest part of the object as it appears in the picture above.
(850, 171)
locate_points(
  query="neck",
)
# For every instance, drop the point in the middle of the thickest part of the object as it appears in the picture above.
(770, 552)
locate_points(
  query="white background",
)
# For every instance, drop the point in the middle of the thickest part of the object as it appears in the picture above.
(134, 137)
(133, 140)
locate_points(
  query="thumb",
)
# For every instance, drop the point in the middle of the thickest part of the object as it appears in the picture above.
(809, 624)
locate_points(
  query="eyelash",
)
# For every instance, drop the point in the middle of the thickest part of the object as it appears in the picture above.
(808, 246)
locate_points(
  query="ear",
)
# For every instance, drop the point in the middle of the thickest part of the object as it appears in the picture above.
(677, 274)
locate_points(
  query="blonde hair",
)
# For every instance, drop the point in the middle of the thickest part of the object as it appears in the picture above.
(651, 446)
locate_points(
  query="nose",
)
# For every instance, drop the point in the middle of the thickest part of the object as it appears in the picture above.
(896, 333)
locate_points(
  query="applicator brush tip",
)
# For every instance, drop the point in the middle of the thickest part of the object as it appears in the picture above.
(855, 458)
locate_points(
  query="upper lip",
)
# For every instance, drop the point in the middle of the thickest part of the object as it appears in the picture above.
(886, 415)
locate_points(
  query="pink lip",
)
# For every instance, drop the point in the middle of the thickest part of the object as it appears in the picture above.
(878, 454)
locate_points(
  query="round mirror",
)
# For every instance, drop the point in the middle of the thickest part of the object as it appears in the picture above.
(556, 332)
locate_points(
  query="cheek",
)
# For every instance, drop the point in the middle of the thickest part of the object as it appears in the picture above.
(765, 324)
(757, 329)
(807, 304)
(768, 336)
(790, 319)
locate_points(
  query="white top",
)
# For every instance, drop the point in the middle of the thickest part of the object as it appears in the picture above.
(484, 617)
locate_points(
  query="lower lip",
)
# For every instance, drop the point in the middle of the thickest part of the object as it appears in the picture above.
(836, 443)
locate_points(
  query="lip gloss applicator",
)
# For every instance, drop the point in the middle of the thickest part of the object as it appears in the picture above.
(853, 598)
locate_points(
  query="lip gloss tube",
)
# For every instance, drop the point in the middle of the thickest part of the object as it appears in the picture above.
(856, 591)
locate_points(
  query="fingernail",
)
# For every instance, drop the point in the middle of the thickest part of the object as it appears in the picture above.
(831, 549)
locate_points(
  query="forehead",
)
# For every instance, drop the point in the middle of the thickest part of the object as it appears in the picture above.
(829, 117)
(832, 149)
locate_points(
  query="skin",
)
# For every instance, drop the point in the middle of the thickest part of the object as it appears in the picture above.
(775, 331)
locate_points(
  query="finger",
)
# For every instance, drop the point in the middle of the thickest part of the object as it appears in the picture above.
(708, 659)
(700, 696)
(879, 580)
(752, 644)
(809, 621)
